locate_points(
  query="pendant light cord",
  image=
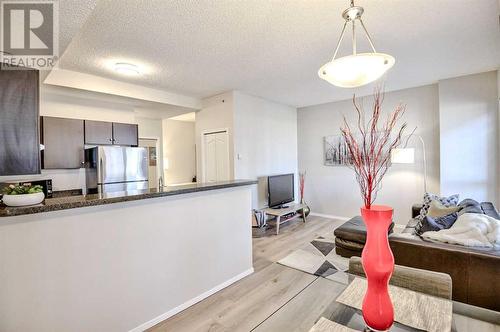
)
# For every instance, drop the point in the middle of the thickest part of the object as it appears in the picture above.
(354, 46)
(340, 41)
(367, 35)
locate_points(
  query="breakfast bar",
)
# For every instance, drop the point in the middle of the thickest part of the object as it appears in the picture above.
(121, 261)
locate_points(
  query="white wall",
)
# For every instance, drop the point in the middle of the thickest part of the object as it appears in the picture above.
(265, 142)
(216, 114)
(153, 129)
(333, 190)
(179, 149)
(76, 104)
(121, 266)
(498, 138)
(469, 136)
(88, 82)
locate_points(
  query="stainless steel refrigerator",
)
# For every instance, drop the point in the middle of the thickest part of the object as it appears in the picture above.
(116, 168)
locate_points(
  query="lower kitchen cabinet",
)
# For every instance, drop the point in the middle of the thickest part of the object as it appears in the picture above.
(64, 143)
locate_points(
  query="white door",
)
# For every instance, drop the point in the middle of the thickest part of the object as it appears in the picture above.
(216, 146)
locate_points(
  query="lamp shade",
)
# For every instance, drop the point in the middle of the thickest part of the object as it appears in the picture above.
(403, 156)
(356, 70)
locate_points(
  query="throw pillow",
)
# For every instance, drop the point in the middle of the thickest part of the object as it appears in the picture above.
(470, 206)
(437, 224)
(436, 210)
(490, 210)
(428, 198)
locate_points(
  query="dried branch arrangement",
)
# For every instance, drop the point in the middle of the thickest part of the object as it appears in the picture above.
(302, 180)
(370, 147)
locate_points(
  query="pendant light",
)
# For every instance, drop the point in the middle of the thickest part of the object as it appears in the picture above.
(359, 68)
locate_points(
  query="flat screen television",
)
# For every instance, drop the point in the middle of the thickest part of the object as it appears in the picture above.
(280, 189)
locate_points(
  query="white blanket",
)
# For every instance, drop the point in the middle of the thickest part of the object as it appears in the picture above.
(471, 230)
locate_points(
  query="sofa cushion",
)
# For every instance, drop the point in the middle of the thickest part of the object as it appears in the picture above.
(351, 245)
(410, 226)
(415, 210)
(354, 230)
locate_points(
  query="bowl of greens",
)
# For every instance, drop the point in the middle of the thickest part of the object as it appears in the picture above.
(22, 195)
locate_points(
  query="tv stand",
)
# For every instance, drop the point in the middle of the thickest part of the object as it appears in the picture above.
(279, 207)
(281, 212)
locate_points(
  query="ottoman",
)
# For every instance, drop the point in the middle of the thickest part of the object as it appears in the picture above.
(350, 237)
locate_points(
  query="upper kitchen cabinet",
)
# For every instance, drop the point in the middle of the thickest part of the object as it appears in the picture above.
(63, 140)
(98, 132)
(125, 134)
(19, 118)
(108, 133)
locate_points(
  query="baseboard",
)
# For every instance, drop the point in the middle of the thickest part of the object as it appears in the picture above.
(189, 303)
(331, 216)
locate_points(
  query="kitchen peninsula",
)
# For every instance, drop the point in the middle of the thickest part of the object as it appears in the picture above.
(121, 261)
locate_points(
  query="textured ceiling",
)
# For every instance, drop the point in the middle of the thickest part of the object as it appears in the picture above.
(72, 15)
(273, 49)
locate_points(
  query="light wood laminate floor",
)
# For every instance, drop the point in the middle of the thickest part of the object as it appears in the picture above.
(273, 298)
(247, 304)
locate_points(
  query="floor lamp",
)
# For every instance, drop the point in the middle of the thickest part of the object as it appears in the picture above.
(407, 156)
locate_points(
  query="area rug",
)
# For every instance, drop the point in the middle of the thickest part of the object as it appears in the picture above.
(319, 258)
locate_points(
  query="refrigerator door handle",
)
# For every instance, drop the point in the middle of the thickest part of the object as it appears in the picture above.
(100, 173)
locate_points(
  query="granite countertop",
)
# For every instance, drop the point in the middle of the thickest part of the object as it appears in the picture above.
(72, 202)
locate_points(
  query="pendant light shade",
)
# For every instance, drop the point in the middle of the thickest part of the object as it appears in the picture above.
(357, 69)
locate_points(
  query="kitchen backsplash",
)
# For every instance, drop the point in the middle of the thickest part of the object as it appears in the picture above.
(62, 179)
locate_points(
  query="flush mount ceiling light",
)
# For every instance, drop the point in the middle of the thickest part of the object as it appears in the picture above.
(359, 68)
(126, 69)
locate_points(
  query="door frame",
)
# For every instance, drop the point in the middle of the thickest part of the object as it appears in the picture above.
(159, 161)
(208, 132)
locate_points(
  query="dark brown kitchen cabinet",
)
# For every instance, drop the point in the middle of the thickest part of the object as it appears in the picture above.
(63, 143)
(98, 132)
(125, 134)
(19, 113)
(108, 133)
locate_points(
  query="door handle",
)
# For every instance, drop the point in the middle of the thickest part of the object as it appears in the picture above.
(100, 169)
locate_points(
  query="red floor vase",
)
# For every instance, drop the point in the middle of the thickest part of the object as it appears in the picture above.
(378, 263)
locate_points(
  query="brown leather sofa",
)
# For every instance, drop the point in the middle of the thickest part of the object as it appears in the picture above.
(350, 238)
(475, 273)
